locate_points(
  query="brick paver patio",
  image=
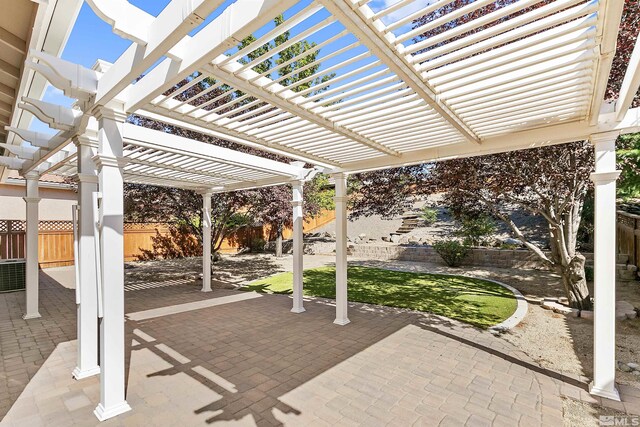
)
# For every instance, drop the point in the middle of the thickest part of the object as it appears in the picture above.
(243, 359)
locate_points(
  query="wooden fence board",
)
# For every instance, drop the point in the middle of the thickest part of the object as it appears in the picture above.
(628, 232)
(55, 239)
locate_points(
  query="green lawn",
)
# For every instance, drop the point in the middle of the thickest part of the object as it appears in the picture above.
(475, 301)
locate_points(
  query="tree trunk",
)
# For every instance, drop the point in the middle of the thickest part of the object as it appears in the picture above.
(575, 283)
(279, 242)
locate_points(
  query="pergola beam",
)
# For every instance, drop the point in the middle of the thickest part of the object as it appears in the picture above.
(175, 119)
(138, 135)
(236, 22)
(630, 83)
(358, 20)
(544, 136)
(609, 17)
(165, 32)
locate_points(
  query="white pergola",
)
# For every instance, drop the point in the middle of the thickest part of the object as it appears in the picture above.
(532, 78)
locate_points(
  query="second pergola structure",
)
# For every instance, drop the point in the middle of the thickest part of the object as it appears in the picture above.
(534, 77)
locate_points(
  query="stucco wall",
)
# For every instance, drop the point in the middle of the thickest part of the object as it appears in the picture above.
(55, 204)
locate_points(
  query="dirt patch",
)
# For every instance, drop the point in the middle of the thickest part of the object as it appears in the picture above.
(547, 339)
(575, 413)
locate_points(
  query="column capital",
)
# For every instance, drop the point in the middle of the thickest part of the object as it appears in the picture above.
(598, 138)
(102, 160)
(86, 178)
(204, 193)
(604, 177)
(31, 199)
(110, 112)
(85, 141)
(339, 175)
(32, 175)
(298, 183)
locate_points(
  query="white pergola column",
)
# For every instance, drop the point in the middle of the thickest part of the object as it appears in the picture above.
(604, 322)
(298, 246)
(32, 200)
(112, 334)
(87, 309)
(206, 242)
(341, 248)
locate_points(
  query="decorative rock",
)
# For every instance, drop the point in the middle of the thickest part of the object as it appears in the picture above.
(386, 239)
(512, 241)
(557, 308)
(575, 312)
(620, 315)
(395, 238)
(633, 365)
(586, 314)
(624, 310)
(624, 306)
(623, 367)
(532, 299)
(563, 300)
(636, 373)
(362, 235)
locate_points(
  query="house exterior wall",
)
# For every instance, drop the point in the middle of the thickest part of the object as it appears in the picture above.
(55, 204)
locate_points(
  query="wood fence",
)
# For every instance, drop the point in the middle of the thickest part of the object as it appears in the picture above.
(55, 239)
(629, 236)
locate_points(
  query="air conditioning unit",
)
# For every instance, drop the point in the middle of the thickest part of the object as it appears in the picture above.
(12, 275)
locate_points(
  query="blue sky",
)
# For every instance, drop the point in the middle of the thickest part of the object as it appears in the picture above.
(93, 39)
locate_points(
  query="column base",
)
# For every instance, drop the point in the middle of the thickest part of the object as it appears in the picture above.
(104, 414)
(342, 322)
(205, 290)
(79, 374)
(608, 394)
(31, 316)
(298, 310)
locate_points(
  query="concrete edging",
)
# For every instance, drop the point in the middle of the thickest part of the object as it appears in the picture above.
(518, 315)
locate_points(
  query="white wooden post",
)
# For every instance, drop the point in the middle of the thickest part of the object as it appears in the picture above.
(112, 350)
(87, 178)
(32, 200)
(206, 242)
(341, 248)
(298, 246)
(604, 322)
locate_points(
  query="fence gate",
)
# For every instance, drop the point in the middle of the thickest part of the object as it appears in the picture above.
(12, 239)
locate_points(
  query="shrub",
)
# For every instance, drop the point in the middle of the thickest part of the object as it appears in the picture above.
(429, 215)
(475, 229)
(257, 245)
(178, 242)
(588, 274)
(451, 251)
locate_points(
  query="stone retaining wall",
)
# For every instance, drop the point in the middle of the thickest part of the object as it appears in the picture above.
(501, 258)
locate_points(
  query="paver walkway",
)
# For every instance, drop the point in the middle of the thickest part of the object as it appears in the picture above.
(244, 359)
